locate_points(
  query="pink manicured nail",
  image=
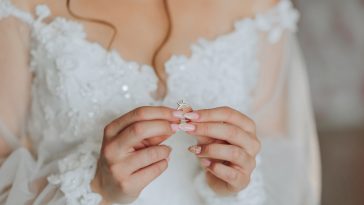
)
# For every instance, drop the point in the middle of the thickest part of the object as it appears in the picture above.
(191, 115)
(175, 127)
(195, 149)
(187, 127)
(205, 162)
(178, 114)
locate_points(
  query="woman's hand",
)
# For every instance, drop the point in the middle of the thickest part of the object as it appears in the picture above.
(131, 155)
(227, 147)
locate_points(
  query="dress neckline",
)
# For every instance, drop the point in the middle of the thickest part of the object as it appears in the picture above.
(44, 11)
(282, 14)
(263, 18)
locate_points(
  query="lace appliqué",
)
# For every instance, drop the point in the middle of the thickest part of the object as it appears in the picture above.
(276, 21)
(7, 9)
(76, 172)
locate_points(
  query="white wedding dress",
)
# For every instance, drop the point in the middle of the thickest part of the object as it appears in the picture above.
(79, 87)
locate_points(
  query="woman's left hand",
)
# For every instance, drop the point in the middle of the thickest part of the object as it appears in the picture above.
(227, 147)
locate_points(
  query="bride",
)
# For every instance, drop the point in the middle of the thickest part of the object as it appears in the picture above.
(89, 114)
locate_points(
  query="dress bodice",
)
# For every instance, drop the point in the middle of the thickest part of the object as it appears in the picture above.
(79, 84)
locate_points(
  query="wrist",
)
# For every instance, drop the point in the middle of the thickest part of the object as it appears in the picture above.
(96, 187)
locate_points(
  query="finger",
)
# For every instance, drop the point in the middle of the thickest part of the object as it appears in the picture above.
(140, 179)
(230, 153)
(134, 135)
(222, 114)
(207, 140)
(229, 133)
(139, 114)
(138, 160)
(152, 141)
(234, 177)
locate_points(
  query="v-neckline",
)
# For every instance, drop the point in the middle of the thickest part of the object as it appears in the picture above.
(183, 58)
(196, 43)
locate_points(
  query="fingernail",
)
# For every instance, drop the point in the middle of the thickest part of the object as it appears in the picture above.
(187, 127)
(175, 127)
(195, 149)
(205, 162)
(178, 114)
(191, 115)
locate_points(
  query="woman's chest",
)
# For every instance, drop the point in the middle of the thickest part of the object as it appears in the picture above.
(79, 86)
(77, 72)
(150, 31)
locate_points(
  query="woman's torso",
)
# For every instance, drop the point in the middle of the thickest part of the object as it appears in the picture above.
(79, 86)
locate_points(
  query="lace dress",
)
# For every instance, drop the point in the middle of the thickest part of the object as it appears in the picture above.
(79, 87)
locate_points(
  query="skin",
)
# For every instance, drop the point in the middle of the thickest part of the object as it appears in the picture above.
(132, 157)
(132, 143)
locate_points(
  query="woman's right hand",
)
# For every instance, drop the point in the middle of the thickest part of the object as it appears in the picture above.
(131, 155)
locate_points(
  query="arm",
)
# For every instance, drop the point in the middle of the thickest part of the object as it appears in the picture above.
(15, 78)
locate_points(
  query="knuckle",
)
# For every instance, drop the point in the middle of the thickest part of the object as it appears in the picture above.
(232, 132)
(243, 181)
(162, 166)
(124, 185)
(108, 152)
(228, 112)
(208, 149)
(232, 175)
(116, 173)
(205, 128)
(108, 131)
(166, 149)
(236, 154)
(153, 154)
(214, 167)
(165, 126)
(246, 179)
(256, 145)
(159, 168)
(251, 124)
(137, 129)
(140, 112)
(225, 108)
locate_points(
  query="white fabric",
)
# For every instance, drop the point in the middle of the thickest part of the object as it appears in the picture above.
(79, 87)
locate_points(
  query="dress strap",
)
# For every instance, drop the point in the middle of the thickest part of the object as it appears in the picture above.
(8, 9)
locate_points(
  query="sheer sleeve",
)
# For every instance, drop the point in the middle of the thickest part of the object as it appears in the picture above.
(288, 169)
(286, 126)
(15, 78)
(26, 177)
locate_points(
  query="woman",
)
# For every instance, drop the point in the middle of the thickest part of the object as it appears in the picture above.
(88, 104)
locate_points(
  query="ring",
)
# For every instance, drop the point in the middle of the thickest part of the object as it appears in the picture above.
(185, 108)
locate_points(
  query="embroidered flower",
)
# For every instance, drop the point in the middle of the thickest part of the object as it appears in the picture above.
(42, 11)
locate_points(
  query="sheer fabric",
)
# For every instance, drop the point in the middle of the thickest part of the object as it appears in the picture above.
(256, 69)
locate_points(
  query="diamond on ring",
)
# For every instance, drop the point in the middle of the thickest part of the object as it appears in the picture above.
(185, 108)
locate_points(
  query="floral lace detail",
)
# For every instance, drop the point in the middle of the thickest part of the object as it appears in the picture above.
(217, 56)
(7, 9)
(76, 171)
(280, 18)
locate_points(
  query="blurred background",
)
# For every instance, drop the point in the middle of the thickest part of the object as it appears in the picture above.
(331, 35)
